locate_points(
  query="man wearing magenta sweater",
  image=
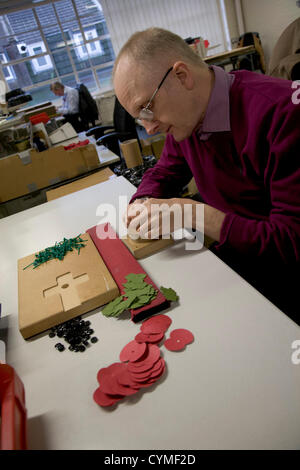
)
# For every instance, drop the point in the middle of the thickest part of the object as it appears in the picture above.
(238, 135)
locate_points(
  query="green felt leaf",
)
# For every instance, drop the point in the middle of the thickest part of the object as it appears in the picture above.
(121, 308)
(110, 308)
(141, 301)
(137, 293)
(135, 277)
(169, 294)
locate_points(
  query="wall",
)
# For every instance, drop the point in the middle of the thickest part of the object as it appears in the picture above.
(232, 21)
(269, 18)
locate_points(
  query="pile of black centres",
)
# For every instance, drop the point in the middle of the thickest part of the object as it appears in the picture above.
(76, 332)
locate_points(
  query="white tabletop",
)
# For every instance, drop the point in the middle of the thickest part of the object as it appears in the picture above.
(235, 387)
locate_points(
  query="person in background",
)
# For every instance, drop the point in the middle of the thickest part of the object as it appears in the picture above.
(238, 135)
(70, 103)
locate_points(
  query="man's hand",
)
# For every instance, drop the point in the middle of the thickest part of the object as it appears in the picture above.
(152, 218)
(133, 209)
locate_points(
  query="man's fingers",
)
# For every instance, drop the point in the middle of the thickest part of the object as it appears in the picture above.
(135, 210)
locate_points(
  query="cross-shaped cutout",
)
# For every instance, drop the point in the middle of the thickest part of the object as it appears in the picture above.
(66, 287)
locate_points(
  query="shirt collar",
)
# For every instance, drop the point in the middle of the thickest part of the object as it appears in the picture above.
(217, 116)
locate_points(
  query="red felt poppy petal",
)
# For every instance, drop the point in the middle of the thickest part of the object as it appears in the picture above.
(155, 379)
(133, 351)
(153, 329)
(174, 345)
(144, 367)
(158, 365)
(157, 373)
(143, 380)
(124, 378)
(146, 364)
(183, 335)
(149, 338)
(141, 375)
(112, 383)
(156, 324)
(103, 399)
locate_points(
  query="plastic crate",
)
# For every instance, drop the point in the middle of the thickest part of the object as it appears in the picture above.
(13, 434)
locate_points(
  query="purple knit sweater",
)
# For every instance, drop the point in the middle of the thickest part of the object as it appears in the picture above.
(251, 172)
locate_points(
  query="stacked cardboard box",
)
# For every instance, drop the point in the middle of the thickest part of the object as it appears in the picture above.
(153, 145)
(29, 171)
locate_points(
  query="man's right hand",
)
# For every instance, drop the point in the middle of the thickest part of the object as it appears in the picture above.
(132, 209)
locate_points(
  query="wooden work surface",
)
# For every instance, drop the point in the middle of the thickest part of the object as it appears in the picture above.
(59, 290)
(234, 387)
(225, 55)
(142, 249)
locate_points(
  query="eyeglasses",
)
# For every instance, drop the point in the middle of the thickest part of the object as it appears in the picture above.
(146, 114)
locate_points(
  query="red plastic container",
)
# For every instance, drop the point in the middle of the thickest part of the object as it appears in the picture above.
(13, 434)
(41, 117)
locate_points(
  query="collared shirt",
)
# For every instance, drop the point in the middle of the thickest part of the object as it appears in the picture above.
(217, 116)
(70, 101)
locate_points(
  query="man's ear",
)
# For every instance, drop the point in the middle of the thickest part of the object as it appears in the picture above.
(184, 74)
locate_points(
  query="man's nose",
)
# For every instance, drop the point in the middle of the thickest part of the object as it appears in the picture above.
(151, 126)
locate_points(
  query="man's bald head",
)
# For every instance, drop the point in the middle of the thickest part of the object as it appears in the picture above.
(139, 68)
(160, 46)
(148, 54)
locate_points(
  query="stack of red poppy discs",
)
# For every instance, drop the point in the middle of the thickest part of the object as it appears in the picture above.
(141, 363)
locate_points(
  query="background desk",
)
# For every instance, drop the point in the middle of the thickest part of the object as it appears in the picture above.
(231, 57)
(235, 387)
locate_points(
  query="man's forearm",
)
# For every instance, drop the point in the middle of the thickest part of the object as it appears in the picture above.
(213, 220)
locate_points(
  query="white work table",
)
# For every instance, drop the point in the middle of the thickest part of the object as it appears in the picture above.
(235, 387)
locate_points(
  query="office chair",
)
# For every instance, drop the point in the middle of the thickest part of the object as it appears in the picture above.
(88, 110)
(249, 39)
(124, 128)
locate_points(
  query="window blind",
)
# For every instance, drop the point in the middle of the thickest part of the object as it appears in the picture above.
(188, 18)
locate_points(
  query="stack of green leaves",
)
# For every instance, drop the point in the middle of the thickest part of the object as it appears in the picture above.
(58, 251)
(137, 293)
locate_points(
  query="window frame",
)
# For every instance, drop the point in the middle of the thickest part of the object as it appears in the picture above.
(6, 67)
(48, 54)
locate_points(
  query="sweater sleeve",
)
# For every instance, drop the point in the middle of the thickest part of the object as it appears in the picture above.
(170, 174)
(277, 237)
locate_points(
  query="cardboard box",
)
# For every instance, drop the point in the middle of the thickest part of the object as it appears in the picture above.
(22, 203)
(157, 147)
(65, 132)
(157, 143)
(19, 176)
(31, 170)
(62, 289)
(146, 148)
(82, 183)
